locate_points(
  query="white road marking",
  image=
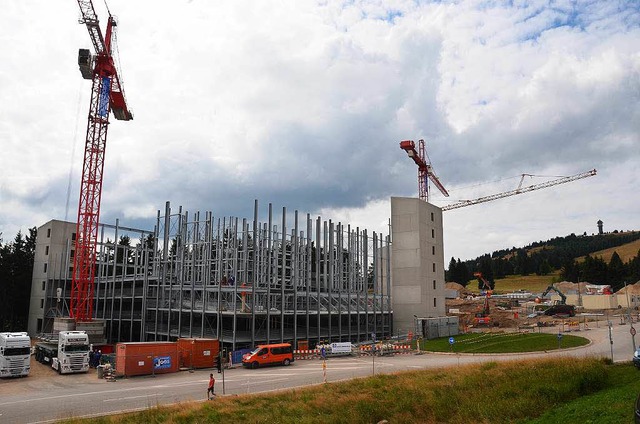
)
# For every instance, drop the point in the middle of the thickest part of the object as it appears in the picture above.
(130, 397)
(262, 382)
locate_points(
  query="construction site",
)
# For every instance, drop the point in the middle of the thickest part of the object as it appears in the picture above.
(275, 276)
(566, 305)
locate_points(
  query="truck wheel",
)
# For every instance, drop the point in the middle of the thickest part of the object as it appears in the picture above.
(286, 362)
(254, 365)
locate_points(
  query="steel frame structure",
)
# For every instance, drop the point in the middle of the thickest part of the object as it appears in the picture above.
(310, 280)
(247, 283)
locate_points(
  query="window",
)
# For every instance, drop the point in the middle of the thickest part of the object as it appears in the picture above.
(434, 302)
(39, 325)
(73, 236)
(45, 267)
(433, 233)
(281, 350)
(431, 216)
(44, 283)
(434, 284)
(433, 250)
(48, 232)
(41, 303)
(434, 267)
(46, 250)
(72, 253)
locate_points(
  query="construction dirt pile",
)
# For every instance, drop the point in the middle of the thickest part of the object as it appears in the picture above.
(567, 287)
(631, 289)
(457, 287)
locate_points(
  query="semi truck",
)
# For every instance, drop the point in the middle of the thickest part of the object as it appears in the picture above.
(68, 354)
(15, 354)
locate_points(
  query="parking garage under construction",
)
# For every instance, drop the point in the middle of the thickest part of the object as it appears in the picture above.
(242, 282)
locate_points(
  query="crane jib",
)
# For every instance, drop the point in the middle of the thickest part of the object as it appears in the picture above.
(104, 97)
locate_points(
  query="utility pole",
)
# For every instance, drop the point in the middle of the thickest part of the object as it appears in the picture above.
(632, 330)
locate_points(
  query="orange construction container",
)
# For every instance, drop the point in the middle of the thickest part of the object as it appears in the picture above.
(145, 358)
(198, 353)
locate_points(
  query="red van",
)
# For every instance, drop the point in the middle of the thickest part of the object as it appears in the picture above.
(272, 354)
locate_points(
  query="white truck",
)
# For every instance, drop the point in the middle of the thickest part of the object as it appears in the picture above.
(15, 354)
(69, 355)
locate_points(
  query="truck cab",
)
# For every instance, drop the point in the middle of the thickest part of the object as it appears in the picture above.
(73, 352)
(15, 354)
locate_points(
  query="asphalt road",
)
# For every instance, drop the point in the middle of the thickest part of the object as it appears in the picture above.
(52, 397)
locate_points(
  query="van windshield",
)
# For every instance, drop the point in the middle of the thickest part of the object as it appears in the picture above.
(256, 350)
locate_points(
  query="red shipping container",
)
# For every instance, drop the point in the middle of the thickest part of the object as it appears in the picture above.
(146, 358)
(198, 353)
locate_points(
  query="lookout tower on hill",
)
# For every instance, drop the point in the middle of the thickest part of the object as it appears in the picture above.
(600, 226)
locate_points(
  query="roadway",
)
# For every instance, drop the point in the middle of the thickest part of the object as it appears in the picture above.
(48, 398)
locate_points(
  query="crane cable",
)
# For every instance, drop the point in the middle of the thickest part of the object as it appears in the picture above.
(73, 151)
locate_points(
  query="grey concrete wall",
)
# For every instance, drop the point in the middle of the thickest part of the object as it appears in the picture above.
(51, 249)
(417, 262)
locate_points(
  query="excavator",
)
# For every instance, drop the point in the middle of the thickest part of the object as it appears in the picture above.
(482, 317)
(560, 307)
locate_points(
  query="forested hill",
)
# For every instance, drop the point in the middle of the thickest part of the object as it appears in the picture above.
(557, 254)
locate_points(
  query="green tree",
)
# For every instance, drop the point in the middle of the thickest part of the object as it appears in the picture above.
(616, 271)
(16, 270)
(544, 268)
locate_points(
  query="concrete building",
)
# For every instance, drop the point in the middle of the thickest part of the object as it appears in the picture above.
(244, 282)
(417, 263)
(53, 246)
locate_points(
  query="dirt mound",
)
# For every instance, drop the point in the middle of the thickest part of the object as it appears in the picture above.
(567, 287)
(631, 289)
(455, 286)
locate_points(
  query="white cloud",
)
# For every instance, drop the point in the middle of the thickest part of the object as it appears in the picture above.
(303, 103)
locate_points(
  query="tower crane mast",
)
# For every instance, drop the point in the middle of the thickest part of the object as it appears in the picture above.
(425, 170)
(106, 95)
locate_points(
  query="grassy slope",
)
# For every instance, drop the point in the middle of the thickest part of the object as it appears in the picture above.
(626, 252)
(533, 283)
(565, 390)
(537, 283)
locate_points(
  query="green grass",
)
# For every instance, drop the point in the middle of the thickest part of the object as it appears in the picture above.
(533, 283)
(567, 390)
(502, 343)
(613, 404)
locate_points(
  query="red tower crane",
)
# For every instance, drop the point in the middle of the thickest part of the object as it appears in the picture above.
(106, 95)
(425, 170)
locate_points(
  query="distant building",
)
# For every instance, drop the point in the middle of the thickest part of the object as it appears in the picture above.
(600, 226)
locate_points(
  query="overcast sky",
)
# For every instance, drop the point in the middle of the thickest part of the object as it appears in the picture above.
(303, 104)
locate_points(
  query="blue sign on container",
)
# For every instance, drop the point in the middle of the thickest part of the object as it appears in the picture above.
(162, 362)
(451, 340)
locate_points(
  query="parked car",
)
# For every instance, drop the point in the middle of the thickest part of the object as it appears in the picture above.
(636, 359)
(273, 354)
